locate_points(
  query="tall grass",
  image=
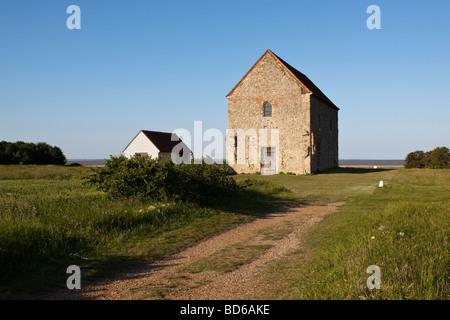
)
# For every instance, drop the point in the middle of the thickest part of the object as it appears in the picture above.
(410, 242)
(403, 229)
(54, 172)
(43, 221)
(407, 241)
(48, 224)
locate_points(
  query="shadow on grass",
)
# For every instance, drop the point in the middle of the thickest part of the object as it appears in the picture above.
(354, 170)
(254, 198)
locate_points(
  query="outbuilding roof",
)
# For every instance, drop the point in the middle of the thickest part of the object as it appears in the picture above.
(162, 140)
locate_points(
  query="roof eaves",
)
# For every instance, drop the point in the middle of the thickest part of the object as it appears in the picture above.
(131, 141)
(316, 92)
(245, 76)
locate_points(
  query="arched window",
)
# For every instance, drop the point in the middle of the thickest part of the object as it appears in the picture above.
(267, 109)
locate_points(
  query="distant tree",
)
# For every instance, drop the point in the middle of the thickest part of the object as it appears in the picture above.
(11, 152)
(57, 156)
(30, 153)
(415, 159)
(27, 153)
(438, 158)
(3, 156)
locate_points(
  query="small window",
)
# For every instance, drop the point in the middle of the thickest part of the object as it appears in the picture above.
(141, 154)
(181, 152)
(267, 109)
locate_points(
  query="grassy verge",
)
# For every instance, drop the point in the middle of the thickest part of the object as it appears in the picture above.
(227, 259)
(53, 172)
(402, 228)
(48, 223)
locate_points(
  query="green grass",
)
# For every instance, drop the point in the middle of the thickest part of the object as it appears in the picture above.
(49, 219)
(332, 186)
(403, 228)
(48, 223)
(276, 233)
(54, 172)
(227, 259)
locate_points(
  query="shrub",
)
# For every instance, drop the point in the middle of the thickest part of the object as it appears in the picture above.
(415, 159)
(74, 164)
(161, 180)
(438, 158)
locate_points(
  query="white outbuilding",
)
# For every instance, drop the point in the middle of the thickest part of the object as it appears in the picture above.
(157, 145)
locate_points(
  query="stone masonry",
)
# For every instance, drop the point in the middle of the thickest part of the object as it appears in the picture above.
(303, 127)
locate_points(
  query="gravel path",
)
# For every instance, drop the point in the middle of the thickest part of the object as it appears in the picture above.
(282, 232)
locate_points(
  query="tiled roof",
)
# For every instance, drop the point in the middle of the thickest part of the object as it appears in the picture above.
(162, 140)
(308, 83)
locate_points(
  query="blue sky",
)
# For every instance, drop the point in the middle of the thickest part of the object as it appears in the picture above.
(161, 65)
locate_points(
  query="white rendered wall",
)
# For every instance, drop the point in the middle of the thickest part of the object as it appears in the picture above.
(141, 144)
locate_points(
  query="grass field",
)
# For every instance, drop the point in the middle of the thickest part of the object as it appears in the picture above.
(50, 219)
(402, 228)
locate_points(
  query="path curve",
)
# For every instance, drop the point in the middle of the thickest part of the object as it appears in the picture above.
(163, 279)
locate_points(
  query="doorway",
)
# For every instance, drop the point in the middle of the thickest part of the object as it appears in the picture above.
(268, 160)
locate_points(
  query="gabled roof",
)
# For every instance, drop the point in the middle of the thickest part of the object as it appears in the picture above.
(303, 80)
(162, 140)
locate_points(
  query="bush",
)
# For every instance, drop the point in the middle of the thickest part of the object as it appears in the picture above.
(439, 158)
(161, 180)
(30, 153)
(415, 159)
(74, 164)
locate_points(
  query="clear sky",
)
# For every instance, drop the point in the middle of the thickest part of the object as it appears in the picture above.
(161, 65)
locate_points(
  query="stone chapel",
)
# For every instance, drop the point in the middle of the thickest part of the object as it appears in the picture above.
(279, 121)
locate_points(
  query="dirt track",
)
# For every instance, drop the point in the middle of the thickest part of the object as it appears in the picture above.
(280, 232)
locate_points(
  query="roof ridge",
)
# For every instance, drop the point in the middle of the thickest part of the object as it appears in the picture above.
(306, 82)
(160, 139)
(157, 131)
(299, 76)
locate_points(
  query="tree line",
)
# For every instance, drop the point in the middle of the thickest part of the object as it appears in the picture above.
(30, 153)
(438, 158)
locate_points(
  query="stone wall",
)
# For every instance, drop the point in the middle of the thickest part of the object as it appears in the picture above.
(268, 81)
(324, 133)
